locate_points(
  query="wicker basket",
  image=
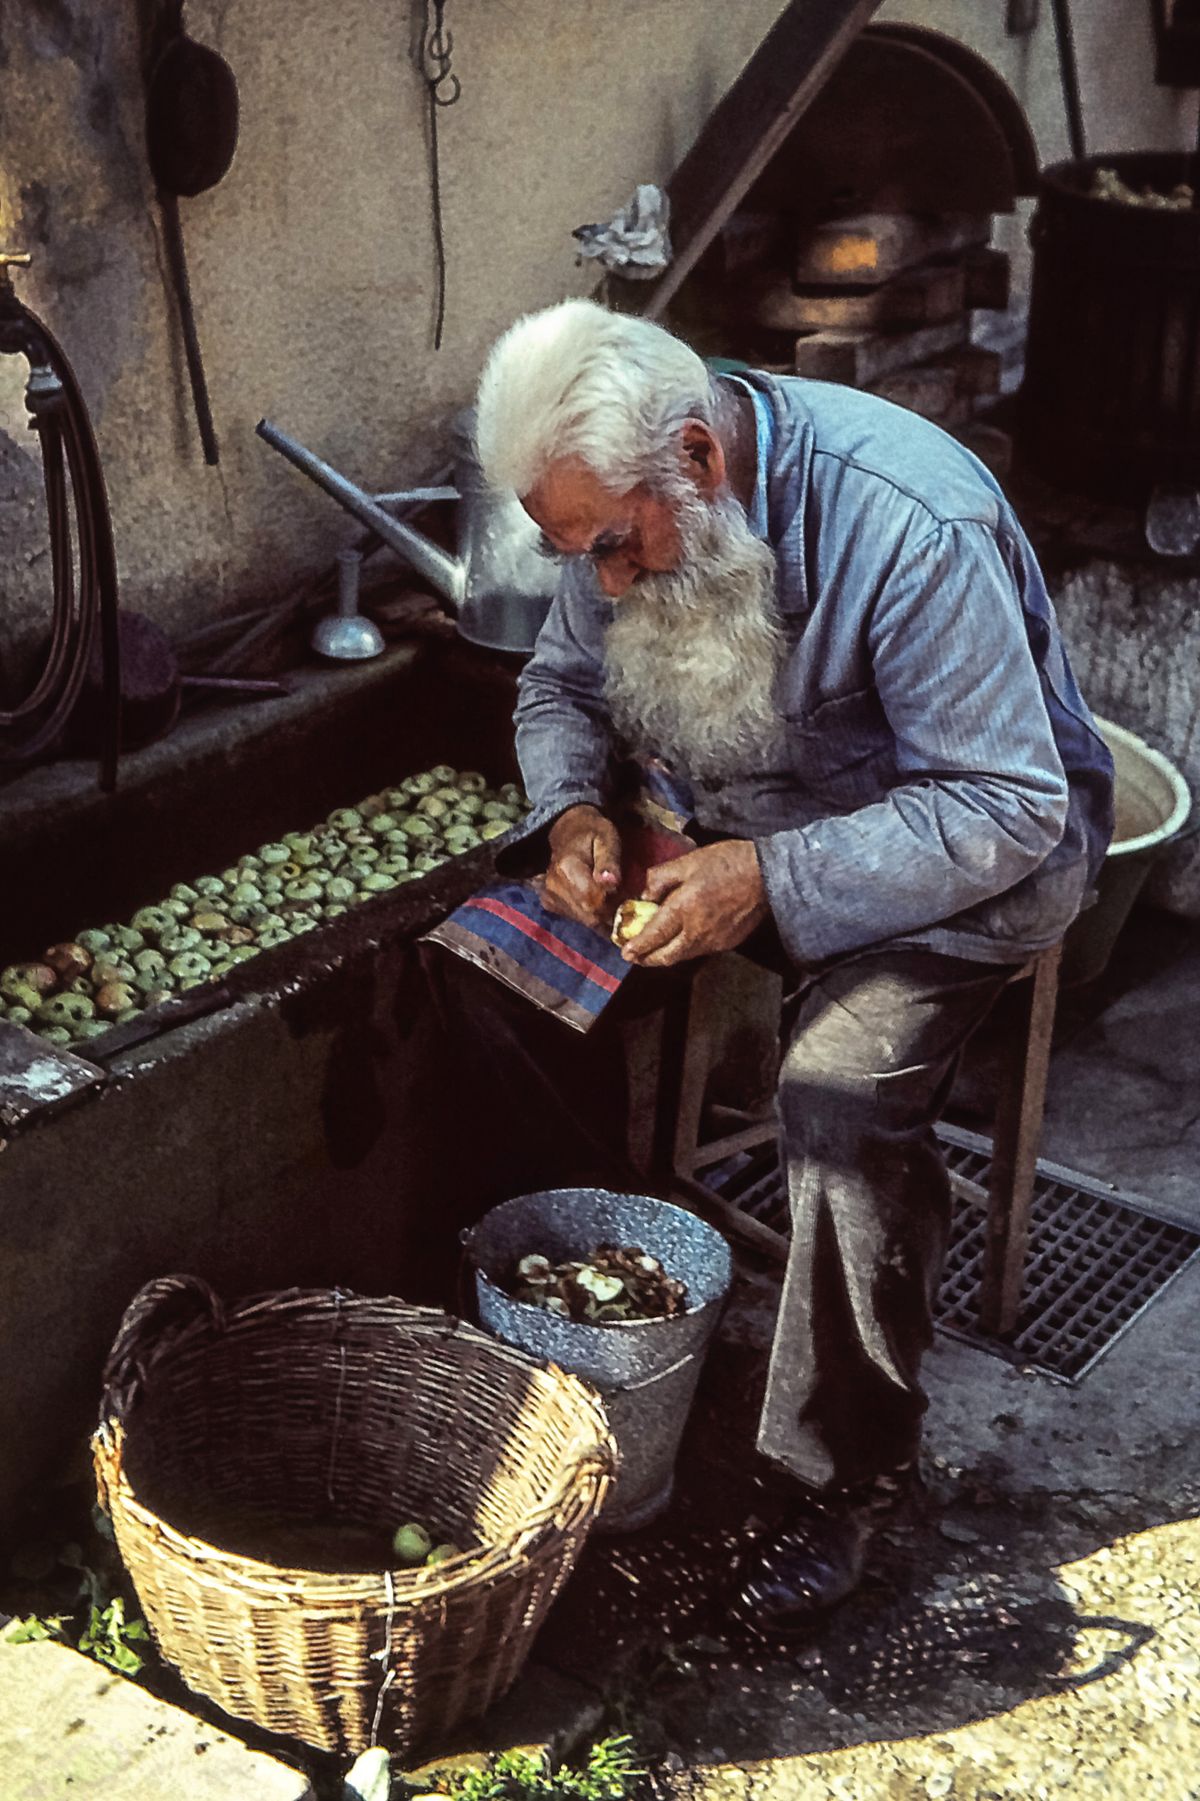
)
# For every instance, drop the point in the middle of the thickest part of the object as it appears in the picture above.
(224, 1425)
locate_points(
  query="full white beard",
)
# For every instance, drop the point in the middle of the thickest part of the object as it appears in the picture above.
(691, 656)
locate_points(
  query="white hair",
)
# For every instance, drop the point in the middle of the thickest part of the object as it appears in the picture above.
(577, 380)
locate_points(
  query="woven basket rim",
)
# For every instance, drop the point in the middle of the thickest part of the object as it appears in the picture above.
(571, 1494)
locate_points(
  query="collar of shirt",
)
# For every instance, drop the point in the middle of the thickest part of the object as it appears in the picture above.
(764, 440)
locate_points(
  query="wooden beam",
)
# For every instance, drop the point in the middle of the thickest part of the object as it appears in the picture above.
(927, 296)
(744, 131)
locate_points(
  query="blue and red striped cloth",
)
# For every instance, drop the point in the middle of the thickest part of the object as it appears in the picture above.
(563, 967)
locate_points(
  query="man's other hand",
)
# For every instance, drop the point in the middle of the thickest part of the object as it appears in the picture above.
(710, 900)
(585, 866)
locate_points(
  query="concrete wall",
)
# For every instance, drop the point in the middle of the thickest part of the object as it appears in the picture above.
(312, 263)
(1135, 639)
(1114, 47)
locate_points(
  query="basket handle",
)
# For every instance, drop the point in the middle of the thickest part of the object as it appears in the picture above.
(156, 1314)
(599, 1459)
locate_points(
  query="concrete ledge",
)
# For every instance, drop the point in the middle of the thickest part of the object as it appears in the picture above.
(69, 1728)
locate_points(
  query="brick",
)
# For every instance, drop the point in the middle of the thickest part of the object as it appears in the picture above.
(976, 371)
(858, 357)
(873, 247)
(992, 446)
(929, 390)
(927, 296)
(745, 241)
(988, 278)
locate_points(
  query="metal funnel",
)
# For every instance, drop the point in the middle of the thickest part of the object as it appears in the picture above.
(346, 635)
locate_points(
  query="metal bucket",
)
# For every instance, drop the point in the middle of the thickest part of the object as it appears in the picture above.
(645, 1370)
(1152, 807)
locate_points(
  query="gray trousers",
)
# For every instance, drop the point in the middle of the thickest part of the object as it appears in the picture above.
(872, 1044)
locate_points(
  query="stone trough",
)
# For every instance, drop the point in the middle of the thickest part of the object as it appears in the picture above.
(295, 1132)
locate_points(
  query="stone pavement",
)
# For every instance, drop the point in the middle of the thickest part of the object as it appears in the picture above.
(74, 1731)
(1083, 1501)
(1124, 1095)
(1130, 1733)
(1079, 1506)
(71, 1730)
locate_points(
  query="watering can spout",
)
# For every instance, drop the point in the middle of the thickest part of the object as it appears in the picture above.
(500, 587)
(443, 571)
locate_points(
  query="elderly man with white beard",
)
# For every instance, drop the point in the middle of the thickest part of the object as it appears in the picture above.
(821, 611)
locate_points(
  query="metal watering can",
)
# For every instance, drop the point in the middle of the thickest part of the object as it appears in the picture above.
(499, 585)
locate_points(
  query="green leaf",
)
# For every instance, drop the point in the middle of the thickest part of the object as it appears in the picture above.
(33, 1627)
(119, 1657)
(610, 1774)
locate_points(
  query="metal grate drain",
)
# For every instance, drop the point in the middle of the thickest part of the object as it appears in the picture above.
(1096, 1259)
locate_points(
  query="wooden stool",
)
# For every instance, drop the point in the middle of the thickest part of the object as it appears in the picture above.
(671, 1151)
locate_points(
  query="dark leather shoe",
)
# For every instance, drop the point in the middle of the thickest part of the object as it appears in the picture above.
(813, 1561)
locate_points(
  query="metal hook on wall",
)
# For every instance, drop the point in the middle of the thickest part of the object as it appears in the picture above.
(443, 89)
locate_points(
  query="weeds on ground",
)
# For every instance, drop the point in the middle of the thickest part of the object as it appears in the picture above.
(94, 1623)
(609, 1773)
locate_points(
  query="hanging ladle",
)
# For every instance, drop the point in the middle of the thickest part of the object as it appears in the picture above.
(191, 135)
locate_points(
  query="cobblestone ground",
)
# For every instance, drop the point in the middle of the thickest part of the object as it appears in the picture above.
(1130, 1727)
(1029, 1628)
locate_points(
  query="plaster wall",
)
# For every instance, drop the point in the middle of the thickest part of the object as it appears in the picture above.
(312, 263)
(1134, 635)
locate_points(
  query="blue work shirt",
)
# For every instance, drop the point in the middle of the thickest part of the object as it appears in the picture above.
(943, 782)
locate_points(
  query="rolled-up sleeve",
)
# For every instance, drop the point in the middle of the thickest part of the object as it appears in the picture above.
(980, 799)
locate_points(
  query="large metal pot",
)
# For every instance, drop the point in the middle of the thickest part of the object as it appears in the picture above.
(1110, 403)
(1153, 803)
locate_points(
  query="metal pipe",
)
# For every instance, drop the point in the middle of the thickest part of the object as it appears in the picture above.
(436, 565)
(416, 497)
(349, 569)
(1068, 70)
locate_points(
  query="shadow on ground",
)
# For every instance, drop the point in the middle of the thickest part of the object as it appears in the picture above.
(960, 1617)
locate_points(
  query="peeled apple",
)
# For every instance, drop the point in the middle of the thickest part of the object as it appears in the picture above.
(633, 916)
(411, 1544)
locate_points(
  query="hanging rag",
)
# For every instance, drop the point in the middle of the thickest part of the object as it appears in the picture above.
(636, 242)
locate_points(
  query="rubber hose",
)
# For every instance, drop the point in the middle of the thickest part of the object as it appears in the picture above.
(74, 484)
